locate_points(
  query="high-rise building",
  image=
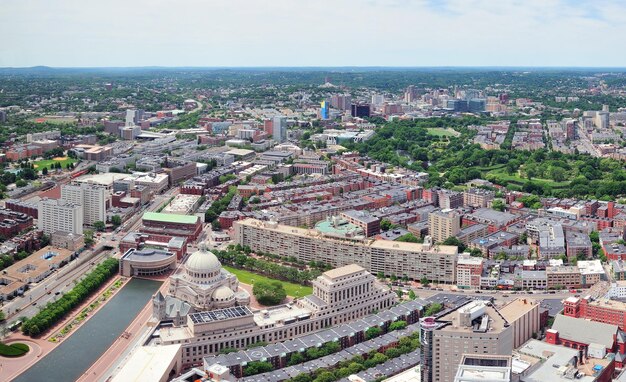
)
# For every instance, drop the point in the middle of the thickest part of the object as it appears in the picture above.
(475, 328)
(60, 215)
(279, 128)
(443, 224)
(360, 110)
(477, 105)
(91, 197)
(410, 94)
(134, 116)
(341, 102)
(602, 120)
(458, 105)
(324, 110)
(378, 99)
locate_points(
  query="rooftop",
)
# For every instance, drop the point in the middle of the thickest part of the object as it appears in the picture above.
(170, 218)
(220, 314)
(343, 271)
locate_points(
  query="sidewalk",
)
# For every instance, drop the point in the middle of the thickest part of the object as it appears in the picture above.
(116, 354)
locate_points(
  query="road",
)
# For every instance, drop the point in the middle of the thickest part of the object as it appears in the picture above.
(60, 281)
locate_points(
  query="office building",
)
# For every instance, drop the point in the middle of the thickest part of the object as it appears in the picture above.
(324, 110)
(443, 224)
(172, 225)
(435, 262)
(476, 105)
(339, 296)
(360, 110)
(59, 215)
(279, 128)
(93, 198)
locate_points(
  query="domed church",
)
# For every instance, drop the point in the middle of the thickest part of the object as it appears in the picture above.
(198, 285)
(205, 285)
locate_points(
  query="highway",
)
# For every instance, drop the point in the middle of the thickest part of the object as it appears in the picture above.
(50, 289)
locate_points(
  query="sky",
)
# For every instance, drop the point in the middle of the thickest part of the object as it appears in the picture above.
(223, 33)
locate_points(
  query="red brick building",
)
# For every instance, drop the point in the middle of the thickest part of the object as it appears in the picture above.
(608, 312)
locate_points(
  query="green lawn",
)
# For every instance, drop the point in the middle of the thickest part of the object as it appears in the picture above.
(514, 178)
(40, 164)
(14, 350)
(442, 132)
(246, 277)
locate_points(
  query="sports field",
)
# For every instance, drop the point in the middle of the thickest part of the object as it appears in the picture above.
(40, 164)
(293, 290)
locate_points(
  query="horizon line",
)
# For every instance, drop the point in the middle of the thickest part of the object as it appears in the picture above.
(315, 67)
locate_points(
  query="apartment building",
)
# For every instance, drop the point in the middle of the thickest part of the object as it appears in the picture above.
(92, 197)
(468, 271)
(443, 224)
(59, 215)
(436, 263)
(478, 197)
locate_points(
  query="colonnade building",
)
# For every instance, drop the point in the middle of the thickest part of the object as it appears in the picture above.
(415, 261)
(339, 296)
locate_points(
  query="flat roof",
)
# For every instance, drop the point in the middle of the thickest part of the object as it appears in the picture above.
(220, 314)
(343, 271)
(170, 218)
(148, 363)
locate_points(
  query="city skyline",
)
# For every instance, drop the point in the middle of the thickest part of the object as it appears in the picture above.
(382, 33)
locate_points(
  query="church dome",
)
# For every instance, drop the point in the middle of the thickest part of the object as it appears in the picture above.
(223, 293)
(203, 261)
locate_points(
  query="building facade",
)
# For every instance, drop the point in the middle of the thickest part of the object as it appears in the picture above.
(415, 261)
(59, 215)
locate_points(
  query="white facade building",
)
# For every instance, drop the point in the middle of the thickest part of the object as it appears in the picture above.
(91, 197)
(59, 215)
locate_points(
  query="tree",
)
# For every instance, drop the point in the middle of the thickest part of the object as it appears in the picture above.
(424, 281)
(385, 225)
(88, 237)
(397, 325)
(116, 220)
(44, 171)
(269, 292)
(412, 295)
(257, 367)
(373, 332)
(20, 183)
(296, 359)
(325, 376)
(433, 309)
(498, 205)
(455, 242)
(99, 226)
(410, 238)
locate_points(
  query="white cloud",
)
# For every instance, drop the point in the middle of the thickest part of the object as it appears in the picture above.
(312, 33)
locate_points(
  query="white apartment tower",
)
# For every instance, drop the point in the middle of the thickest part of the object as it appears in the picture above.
(60, 215)
(91, 197)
